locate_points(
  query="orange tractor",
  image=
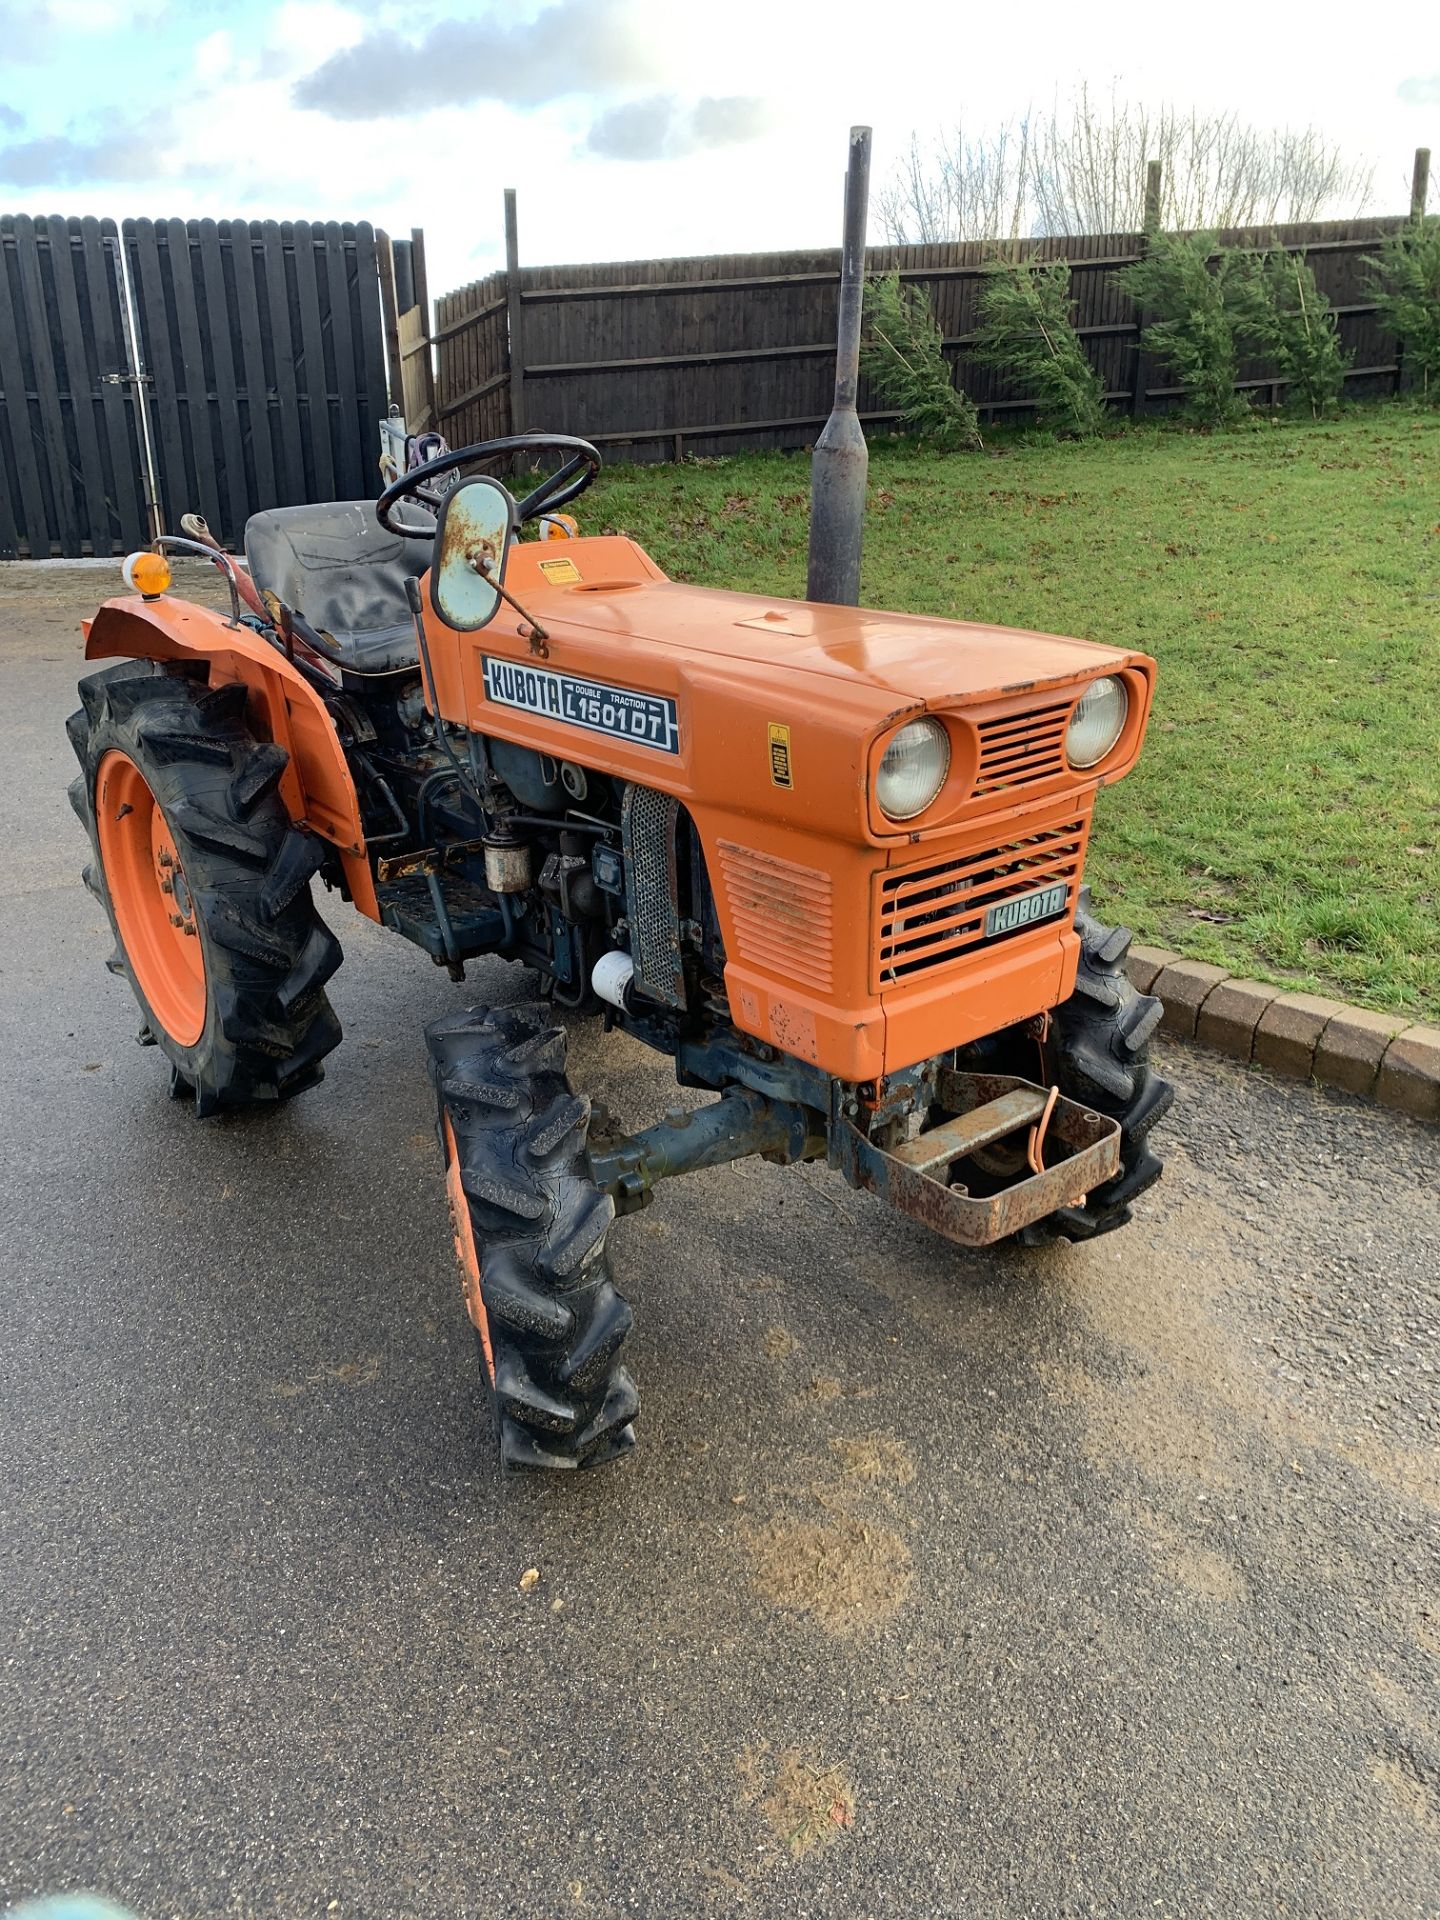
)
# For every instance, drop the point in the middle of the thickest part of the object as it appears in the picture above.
(828, 861)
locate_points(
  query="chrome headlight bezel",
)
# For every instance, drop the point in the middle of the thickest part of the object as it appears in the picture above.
(1097, 722)
(914, 765)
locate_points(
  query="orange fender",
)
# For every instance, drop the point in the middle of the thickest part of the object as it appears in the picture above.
(316, 787)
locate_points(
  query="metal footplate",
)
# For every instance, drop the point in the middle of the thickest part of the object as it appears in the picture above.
(1081, 1149)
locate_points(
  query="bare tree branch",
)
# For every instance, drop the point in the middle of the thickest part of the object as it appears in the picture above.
(1080, 168)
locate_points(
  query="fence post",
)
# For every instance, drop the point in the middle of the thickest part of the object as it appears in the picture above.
(422, 300)
(514, 320)
(390, 311)
(1140, 388)
(1419, 192)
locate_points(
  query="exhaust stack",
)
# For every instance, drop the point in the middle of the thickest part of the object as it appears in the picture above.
(841, 459)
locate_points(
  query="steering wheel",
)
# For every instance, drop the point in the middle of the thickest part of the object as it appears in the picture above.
(556, 490)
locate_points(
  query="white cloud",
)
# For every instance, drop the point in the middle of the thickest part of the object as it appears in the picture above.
(800, 79)
(214, 57)
(594, 47)
(663, 127)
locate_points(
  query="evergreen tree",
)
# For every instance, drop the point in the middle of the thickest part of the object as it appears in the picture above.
(903, 357)
(1190, 321)
(1027, 331)
(1281, 315)
(1406, 288)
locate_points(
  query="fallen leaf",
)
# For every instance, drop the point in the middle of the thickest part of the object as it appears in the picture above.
(529, 1578)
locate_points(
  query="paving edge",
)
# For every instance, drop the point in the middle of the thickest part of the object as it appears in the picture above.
(1305, 1036)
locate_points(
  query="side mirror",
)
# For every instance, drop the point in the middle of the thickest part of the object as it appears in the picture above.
(472, 543)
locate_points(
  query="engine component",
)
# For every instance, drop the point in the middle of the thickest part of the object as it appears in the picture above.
(507, 864)
(565, 878)
(608, 866)
(532, 777)
(612, 976)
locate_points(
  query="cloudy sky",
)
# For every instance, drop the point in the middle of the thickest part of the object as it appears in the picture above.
(632, 128)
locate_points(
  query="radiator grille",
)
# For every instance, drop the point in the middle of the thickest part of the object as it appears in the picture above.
(782, 914)
(1021, 748)
(648, 825)
(935, 913)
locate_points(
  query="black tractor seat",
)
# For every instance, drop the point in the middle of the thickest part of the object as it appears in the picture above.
(338, 567)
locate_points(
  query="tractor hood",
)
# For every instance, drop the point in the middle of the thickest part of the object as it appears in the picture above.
(610, 587)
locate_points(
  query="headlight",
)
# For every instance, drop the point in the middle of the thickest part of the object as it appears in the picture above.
(1097, 722)
(913, 769)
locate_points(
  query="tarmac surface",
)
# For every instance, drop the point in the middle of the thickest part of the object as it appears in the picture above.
(1094, 1581)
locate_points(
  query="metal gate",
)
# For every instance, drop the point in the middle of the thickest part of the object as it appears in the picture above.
(226, 365)
(70, 451)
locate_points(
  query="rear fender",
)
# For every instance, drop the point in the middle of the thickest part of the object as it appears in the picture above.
(317, 786)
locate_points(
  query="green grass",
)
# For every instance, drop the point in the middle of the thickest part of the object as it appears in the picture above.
(1285, 815)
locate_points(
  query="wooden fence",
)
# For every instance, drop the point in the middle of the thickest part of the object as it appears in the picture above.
(220, 366)
(656, 359)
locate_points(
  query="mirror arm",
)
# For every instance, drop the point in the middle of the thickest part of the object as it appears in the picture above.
(538, 635)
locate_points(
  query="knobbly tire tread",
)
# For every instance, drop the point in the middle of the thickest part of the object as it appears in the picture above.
(1098, 1053)
(540, 1224)
(268, 954)
(1100, 1041)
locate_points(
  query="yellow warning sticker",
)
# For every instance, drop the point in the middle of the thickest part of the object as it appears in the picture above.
(781, 773)
(560, 573)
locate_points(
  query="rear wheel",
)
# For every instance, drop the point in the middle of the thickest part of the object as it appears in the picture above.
(530, 1231)
(206, 883)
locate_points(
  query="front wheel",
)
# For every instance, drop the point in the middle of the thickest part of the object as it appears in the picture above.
(530, 1230)
(1096, 1049)
(207, 886)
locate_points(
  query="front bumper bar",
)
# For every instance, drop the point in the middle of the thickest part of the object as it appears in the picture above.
(984, 1108)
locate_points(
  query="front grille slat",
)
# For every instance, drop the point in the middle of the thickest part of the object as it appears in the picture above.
(935, 914)
(1012, 882)
(1033, 846)
(1019, 749)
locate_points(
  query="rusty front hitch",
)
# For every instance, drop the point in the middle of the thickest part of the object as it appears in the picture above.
(1081, 1149)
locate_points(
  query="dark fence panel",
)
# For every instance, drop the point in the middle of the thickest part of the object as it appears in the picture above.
(263, 347)
(654, 359)
(69, 437)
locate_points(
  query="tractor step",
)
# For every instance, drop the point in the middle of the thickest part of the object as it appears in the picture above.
(1081, 1147)
(408, 905)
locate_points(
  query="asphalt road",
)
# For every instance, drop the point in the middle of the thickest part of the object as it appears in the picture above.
(1096, 1581)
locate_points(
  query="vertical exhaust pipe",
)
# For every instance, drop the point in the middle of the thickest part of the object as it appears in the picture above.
(841, 458)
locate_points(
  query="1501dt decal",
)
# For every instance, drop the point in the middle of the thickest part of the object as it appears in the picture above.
(649, 719)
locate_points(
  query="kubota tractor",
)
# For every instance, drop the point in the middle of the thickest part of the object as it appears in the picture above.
(828, 861)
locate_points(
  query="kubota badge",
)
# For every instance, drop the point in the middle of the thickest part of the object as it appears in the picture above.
(648, 719)
(780, 770)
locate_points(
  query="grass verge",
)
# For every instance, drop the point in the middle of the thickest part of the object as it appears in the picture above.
(1284, 820)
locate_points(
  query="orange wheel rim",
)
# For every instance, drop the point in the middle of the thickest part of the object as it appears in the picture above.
(153, 908)
(465, 1247)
